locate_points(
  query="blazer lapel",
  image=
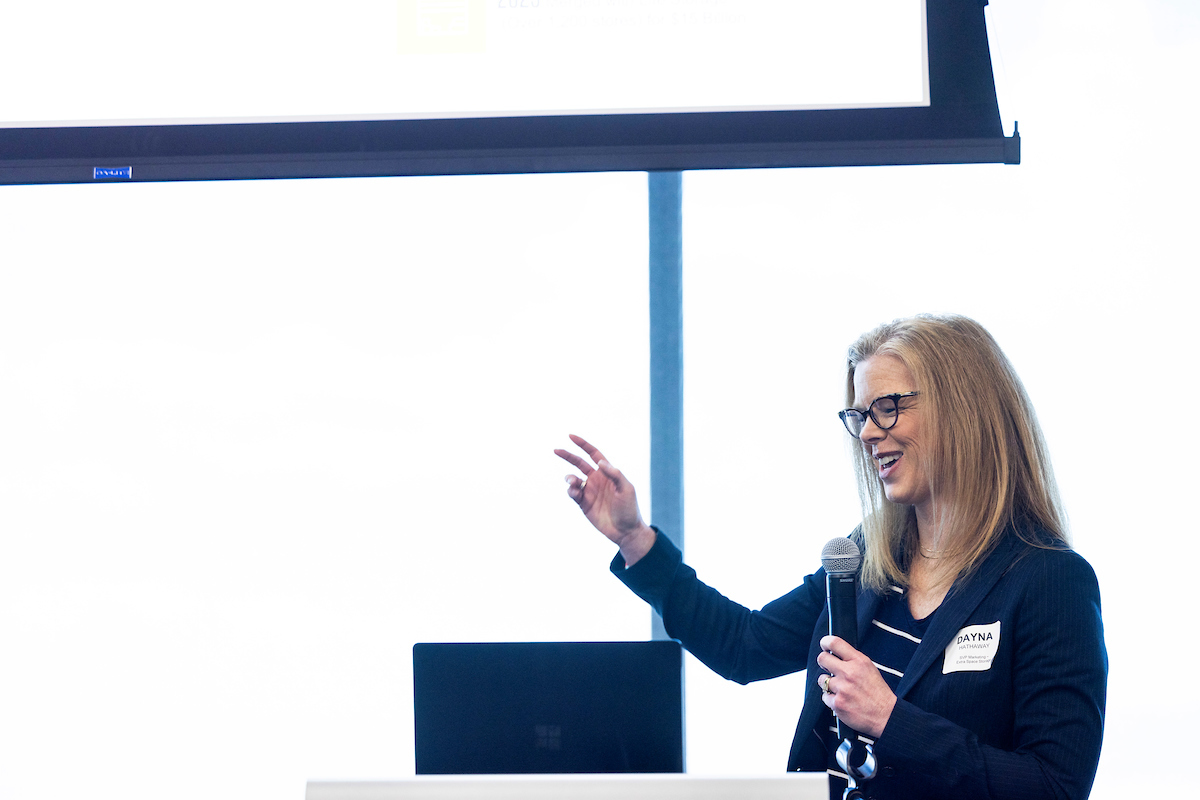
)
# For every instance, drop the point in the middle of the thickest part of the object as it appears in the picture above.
(958, 605)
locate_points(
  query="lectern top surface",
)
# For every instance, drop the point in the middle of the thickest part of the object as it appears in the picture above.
(789, 786)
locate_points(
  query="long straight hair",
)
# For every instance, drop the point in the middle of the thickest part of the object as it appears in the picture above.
(983, 450)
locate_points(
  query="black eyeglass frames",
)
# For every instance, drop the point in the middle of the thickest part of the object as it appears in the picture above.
(884, 410)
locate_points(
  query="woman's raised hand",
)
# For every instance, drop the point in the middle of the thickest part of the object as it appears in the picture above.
(608, 501)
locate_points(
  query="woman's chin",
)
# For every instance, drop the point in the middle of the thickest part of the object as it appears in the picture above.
(898, 496)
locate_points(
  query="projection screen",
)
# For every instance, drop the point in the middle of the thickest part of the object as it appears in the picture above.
(136, 90)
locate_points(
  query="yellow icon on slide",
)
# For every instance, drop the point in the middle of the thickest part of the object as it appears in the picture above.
(442, 26)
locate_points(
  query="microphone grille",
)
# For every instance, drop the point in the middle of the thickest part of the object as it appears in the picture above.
(840, 555)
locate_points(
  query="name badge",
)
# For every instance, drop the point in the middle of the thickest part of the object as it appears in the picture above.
(972, 649)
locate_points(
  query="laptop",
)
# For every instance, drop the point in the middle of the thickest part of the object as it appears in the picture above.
(548, 707)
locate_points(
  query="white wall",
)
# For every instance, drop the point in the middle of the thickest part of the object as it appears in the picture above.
(256, 439)
(260, 438)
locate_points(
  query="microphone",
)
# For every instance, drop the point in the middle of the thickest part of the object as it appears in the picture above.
(841, 559)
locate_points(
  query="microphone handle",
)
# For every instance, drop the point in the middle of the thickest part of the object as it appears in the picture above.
(843, 606)
(843, 622)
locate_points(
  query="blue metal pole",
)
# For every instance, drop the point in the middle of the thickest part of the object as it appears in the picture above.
(666, 360)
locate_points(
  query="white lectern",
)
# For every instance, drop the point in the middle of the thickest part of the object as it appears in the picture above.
(788, 786)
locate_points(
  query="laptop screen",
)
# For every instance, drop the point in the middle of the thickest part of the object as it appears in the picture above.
(548, 707)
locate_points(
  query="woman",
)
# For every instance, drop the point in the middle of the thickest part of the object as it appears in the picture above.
(981, 667)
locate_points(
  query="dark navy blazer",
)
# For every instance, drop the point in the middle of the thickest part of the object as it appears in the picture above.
(1028, 727)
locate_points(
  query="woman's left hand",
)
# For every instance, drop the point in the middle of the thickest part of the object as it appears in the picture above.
(853, 688)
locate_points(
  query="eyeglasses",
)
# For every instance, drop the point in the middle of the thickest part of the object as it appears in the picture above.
(884, 410)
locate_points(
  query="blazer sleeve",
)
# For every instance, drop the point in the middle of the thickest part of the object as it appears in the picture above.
(733, 641)
(1059, 680)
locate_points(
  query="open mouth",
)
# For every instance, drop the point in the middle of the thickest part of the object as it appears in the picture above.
(887, 462)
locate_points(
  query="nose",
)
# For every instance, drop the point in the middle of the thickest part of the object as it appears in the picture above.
(871, 433)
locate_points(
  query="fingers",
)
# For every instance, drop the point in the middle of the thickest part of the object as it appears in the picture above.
(575, 488)
(575, 485)
(586, 467)
(579, 463)
(829, 698)
(833, 657)
(828, 681)
(853, 687)
(588, 448)
(838, 646)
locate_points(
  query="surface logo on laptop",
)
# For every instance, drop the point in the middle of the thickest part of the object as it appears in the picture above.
(548, 737)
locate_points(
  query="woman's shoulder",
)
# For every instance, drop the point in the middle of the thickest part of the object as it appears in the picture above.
(1053, 595)
(1053, 566)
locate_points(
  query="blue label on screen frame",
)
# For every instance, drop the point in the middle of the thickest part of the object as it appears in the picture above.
(112, 173)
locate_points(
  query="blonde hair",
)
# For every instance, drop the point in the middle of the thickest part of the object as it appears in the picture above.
(983, 450)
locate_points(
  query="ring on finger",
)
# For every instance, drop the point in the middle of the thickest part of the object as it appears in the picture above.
(825, 685)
